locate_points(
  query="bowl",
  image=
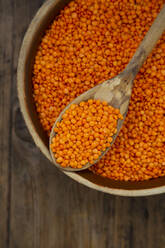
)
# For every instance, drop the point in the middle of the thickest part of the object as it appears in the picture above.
(45, 15)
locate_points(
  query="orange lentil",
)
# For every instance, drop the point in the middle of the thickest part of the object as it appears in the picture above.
(92, 41)
(72, 145)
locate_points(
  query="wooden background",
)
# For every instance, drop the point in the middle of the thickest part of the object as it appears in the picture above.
(39, 206)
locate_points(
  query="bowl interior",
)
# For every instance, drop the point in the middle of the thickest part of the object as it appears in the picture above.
(43, 22)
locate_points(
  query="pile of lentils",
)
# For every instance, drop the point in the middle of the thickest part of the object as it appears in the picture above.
(85, 131)
(88, 43)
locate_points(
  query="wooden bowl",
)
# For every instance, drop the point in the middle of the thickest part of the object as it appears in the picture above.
(41, 21)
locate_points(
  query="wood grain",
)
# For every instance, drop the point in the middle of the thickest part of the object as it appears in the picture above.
(5, 116)
(39, 206)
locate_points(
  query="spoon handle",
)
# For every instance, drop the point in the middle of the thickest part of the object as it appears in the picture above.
(147, 44)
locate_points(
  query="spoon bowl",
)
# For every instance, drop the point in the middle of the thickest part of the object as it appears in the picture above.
(106, 91)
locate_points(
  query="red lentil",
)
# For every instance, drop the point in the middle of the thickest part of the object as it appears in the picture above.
(91, 127)
(92, 41)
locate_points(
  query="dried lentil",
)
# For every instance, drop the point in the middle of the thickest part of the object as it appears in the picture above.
(91, 127)
(92, 41)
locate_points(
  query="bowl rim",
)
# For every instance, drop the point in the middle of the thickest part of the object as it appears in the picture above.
(28, 39)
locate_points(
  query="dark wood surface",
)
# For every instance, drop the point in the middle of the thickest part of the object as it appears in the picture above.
(39, 206)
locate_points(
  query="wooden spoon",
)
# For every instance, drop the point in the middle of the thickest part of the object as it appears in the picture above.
(117, 91)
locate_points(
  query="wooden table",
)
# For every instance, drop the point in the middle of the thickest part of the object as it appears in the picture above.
(39, 206)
